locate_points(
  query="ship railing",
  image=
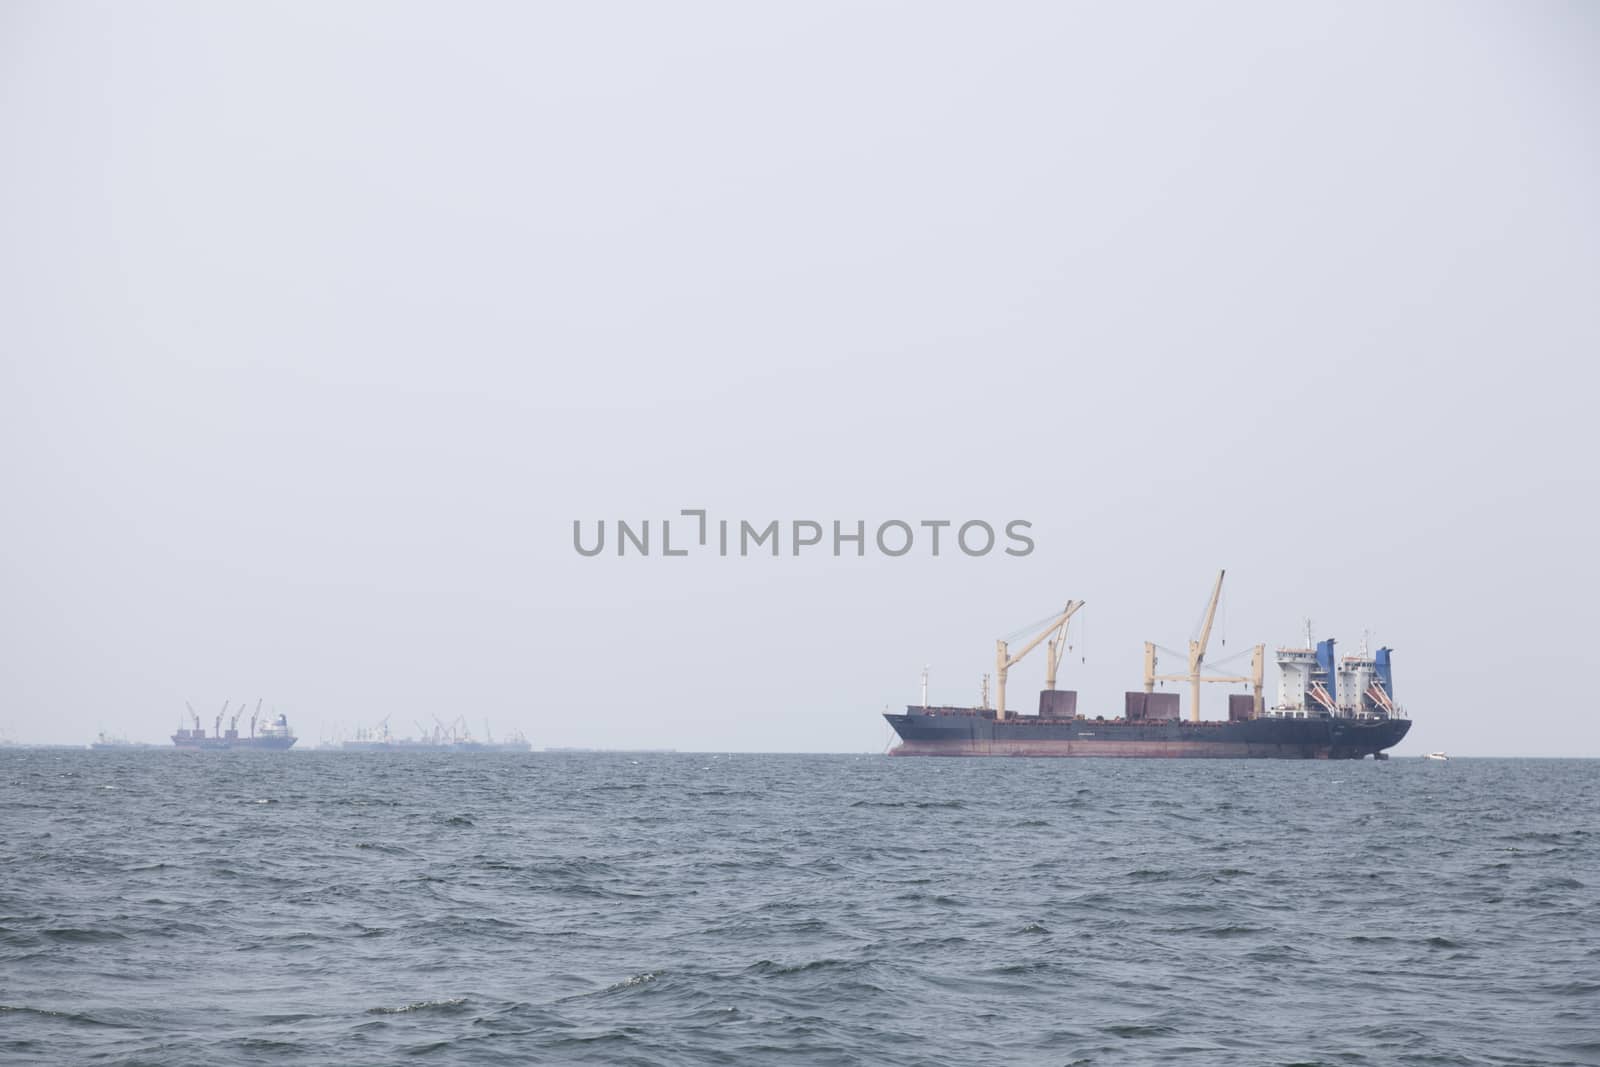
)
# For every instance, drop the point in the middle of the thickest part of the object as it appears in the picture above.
(1398, 713)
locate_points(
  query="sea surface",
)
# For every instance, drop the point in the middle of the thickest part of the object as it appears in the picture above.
(159, 907)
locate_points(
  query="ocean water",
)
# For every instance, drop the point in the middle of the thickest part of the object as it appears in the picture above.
(182, 908)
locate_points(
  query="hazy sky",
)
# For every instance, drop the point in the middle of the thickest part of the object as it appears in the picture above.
(321, 323)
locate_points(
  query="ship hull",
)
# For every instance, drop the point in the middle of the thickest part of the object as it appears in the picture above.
(243, 744)
(965, 732)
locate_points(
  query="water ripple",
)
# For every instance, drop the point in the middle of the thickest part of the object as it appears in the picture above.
(676, 909)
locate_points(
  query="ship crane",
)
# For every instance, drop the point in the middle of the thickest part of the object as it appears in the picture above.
(220, 714)
(1197, 657)
(195, 715)
(1055, 631)
(255, 715)
(233, 723)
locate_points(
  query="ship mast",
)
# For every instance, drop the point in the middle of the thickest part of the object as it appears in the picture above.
(1003, 661)
(1197, 656)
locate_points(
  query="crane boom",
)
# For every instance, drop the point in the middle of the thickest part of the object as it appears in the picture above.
(1211, 614)
(1197, 656)
(1197, 648)
(1055, 651)
(1004, 661)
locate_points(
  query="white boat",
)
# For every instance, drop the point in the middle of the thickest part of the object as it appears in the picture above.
(1437, 756)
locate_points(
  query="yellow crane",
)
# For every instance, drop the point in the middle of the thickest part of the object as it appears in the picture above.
(1056, 632)
(1197, 656)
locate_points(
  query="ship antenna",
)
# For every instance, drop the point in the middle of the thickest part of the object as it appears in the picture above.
(924, 687)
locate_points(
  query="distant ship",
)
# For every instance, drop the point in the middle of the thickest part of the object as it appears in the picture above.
(452, 737)
(274, 735)
(107, 741)
(1326, 709)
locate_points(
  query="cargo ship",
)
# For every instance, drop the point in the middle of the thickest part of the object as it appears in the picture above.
(451, 737)
(1326, 708)
(274, 734)
(104, 742)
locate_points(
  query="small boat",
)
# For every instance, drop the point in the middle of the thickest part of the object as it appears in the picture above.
(1437, 756)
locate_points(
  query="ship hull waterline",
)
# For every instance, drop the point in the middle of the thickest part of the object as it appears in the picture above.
(978, 734)
(211, 744)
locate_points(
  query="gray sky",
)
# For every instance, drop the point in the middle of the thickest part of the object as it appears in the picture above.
(321, 323)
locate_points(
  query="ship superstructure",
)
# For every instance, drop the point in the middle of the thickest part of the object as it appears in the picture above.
(1326, 708)
(1313, 682)
(272, 735)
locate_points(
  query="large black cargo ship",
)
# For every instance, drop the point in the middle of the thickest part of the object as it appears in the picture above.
(1327, 708)
(975, 732)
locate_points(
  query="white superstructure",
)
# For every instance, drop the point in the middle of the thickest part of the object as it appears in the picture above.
(1312, 683)
(1295, 667)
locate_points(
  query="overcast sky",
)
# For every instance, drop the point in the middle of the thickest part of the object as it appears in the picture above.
(321, 323)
